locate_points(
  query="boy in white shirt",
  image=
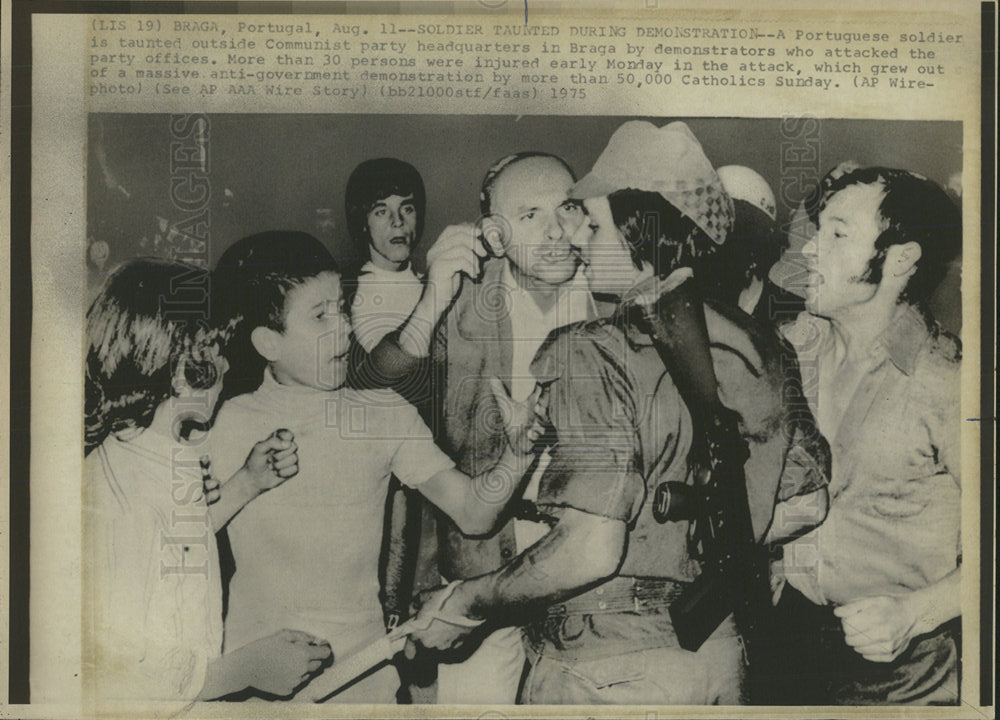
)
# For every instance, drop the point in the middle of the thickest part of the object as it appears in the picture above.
(306, 553)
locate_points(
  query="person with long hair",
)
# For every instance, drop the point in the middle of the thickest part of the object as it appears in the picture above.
(154, 622)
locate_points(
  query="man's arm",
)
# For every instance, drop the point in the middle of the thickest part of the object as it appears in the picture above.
(230, 498)
(881, 628)
(404, 352)
(414, 336)
(455, 253)
(580, 551)
(475, 503)
(270, 463)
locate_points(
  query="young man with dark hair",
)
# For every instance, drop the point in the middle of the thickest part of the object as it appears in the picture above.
(876, 589)
(385, 202)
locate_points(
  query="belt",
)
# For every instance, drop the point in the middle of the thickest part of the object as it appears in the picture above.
(643, 595)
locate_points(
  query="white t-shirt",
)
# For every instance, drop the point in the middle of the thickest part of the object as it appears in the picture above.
(383, 302)
(307, 551)
(152, 571)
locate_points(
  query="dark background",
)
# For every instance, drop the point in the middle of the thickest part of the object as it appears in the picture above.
(289, 171)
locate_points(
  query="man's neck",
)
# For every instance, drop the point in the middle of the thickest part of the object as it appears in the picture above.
(861, 325)
(384, 263)
(543, 294)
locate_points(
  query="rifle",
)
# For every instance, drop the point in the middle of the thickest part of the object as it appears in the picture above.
(734, 576)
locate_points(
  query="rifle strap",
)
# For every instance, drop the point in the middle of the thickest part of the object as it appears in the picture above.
(698, 456)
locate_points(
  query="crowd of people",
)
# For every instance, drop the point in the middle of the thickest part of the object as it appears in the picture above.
(488, 460)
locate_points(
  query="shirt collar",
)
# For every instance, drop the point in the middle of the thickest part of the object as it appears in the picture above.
(904, 337)
(294, 399)
(373, 269)
(900, 342)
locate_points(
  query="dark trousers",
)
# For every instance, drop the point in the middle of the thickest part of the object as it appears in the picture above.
(807, 662)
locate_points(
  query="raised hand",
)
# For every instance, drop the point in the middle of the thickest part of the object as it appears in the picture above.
(524, 422)
(210, 487)
(457, 251)
(272, 461)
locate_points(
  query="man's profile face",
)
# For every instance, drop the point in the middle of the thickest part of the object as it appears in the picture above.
(607, 262)
(842, 250)
(532, 197)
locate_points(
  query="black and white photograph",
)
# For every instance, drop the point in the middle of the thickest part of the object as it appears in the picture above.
(523, 410)
(499, 359)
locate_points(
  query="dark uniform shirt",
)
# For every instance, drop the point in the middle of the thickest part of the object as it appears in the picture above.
(622, 428)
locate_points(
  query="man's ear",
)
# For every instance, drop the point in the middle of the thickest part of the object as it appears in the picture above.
(902, 259)
(265, 342)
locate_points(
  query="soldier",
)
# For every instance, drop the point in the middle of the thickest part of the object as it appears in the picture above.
(602, 578)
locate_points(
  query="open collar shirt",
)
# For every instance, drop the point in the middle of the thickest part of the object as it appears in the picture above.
(895, 492)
